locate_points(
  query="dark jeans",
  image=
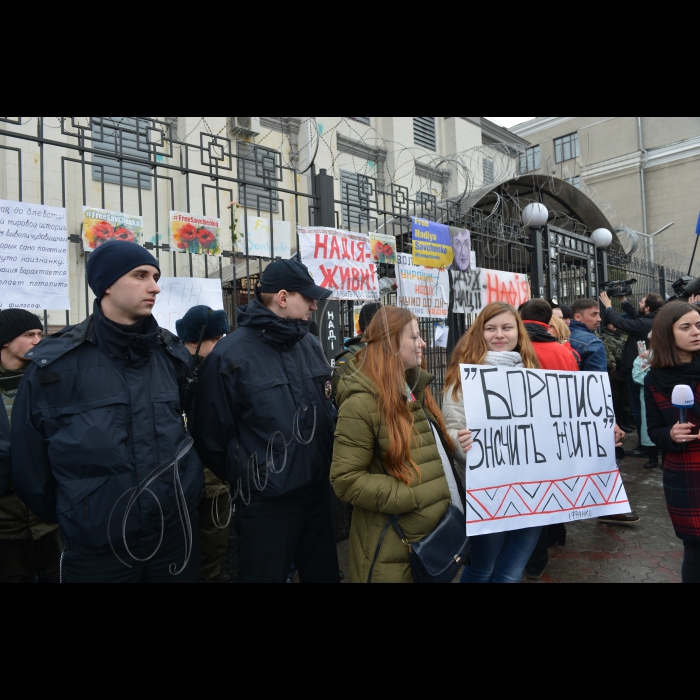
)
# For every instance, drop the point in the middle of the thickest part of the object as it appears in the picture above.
(26, 561)
(635, 399)
(618, 384)
(691, 563)
(106, 568)
(273, 534)
(501, 558)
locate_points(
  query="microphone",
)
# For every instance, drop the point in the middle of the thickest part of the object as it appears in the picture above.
(683, 399)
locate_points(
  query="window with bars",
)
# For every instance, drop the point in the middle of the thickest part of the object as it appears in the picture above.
(259, 168)
(362, 120)
(126, 136)
(530, 160)
(566, 148)
(356, 195)
(425, 132)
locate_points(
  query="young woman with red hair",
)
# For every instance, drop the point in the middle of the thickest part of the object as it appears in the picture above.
(497, 338)
(390, 445)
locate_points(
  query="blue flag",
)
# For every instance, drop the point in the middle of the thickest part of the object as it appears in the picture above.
(697, 230)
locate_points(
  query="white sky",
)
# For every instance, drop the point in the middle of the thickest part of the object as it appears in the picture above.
(509, 121)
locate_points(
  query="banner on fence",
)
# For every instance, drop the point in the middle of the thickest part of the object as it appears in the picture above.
(179, 294)
(476, 289)
(102, 225)
(383, 248)
(544, 449)
(200, 235)
(340, 261)
(260, 238)
(33, 257)
(424, 291)
(432, 244)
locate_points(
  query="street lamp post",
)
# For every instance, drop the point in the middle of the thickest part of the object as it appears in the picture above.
(602, 239)
(535, 217)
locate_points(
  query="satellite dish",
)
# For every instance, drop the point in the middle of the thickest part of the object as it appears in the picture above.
(308, 144)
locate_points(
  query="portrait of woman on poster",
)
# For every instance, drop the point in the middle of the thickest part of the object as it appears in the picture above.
(462, 247)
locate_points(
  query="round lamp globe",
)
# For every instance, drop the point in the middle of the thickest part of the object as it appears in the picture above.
(535, 215)
(602, 238)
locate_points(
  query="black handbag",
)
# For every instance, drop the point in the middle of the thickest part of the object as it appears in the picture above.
(438, 557)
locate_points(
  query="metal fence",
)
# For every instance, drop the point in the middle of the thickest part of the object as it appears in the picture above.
(651, 278)
(140, 165)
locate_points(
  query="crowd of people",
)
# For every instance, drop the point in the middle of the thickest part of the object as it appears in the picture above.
(127, 453)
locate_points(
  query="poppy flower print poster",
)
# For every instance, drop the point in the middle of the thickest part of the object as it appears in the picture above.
(102, 225)
(200, 235)
(383, 248)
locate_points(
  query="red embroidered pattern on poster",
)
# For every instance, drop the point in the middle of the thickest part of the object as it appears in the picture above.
(544, 448)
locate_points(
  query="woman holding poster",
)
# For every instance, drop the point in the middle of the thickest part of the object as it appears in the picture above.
(497, 338)
(386, 459)
(675, 346)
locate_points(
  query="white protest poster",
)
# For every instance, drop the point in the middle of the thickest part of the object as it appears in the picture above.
(340, 261)
(476, 289)
(33, 257)
(179, 294)
(260, 237)
(424, 291)
(544, 449)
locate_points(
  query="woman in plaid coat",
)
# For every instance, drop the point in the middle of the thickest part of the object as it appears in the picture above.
(675, 346)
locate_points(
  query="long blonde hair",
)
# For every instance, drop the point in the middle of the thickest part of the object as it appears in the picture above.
(561, 329)
(472, 348)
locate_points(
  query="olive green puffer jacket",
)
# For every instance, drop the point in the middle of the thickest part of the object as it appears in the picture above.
(359, 478)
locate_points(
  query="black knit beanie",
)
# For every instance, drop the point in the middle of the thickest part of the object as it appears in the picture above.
(112, 260)
(16, 322)
(189, 328)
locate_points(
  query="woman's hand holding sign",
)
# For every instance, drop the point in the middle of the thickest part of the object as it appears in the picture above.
(619, 436)
(466, 440)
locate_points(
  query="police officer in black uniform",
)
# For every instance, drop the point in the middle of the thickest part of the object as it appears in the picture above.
(100, 445)
(264, 422)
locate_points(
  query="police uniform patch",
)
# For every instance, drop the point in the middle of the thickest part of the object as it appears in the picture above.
(329, 390)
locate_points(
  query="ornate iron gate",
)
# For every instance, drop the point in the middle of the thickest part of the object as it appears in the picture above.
(141, 166)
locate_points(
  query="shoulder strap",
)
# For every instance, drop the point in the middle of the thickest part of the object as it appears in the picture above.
(453, 466)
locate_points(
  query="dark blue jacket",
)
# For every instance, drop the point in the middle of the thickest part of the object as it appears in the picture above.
(5, 466)
(97, 414)
(637, 327)
(589, 347)
(263, 393)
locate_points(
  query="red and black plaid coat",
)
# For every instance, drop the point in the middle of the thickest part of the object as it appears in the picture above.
(682, 465)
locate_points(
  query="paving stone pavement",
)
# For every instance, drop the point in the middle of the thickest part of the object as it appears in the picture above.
(596, 553)
(646, 553)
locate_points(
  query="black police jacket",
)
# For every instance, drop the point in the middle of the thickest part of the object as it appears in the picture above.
(98, 417)
(5, 466)
(637, 328)
(264, 417)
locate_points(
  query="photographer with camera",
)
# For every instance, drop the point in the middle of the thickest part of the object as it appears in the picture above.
(638, 327)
